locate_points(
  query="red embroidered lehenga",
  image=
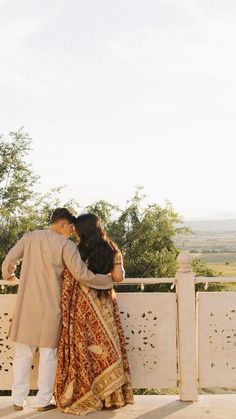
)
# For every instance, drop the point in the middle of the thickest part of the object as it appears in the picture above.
(93, 370)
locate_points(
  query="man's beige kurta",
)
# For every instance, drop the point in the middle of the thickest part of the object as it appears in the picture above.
(45, 254)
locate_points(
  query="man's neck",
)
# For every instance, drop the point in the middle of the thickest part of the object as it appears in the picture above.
(54, 228)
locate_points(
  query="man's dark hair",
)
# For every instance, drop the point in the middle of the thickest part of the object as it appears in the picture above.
(62, 214)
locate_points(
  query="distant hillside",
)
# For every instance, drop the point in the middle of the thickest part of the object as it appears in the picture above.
(211, 225)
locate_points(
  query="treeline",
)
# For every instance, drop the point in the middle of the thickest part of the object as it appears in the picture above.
(145, 234)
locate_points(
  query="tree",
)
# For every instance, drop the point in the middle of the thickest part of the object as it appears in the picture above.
(145, 237)
(144, 234)
(202, 269)
(16, 176)
(22, 209)
(104, 210)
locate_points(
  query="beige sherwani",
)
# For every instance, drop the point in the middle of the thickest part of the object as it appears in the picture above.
(45, 254)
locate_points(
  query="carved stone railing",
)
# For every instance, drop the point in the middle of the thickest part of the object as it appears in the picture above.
(173, 338)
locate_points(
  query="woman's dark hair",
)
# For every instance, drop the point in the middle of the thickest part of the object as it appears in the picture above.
(94, 246)
(62, 214)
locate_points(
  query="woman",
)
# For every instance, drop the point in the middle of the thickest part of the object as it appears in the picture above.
(93, 370)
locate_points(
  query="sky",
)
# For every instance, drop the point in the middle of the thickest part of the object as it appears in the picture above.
(120, 93)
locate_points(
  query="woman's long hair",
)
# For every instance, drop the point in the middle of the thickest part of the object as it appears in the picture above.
(95, 247)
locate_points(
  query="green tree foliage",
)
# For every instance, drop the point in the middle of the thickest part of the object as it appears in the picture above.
(104, 210)
(201, 269)
(16, 176)
(145, 237)
(22, 209)
(144, 233)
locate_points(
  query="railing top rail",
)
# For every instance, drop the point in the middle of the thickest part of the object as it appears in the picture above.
(151, 281)
(127, 281)
(200, 279)
(136, 281)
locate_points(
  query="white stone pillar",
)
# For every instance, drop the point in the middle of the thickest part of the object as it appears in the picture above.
(187, 346)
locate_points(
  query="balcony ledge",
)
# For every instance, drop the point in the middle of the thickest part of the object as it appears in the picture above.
(145, 407)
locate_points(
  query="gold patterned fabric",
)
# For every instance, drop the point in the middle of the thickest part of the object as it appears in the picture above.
(93, 370)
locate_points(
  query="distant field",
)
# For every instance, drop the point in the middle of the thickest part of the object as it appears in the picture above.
(224, 263)
(215, 248)
(224, 270)
(217, 262)
(200, 242)
(217, 257)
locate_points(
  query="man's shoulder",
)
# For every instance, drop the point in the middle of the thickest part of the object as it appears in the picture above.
(27, 235)
(35, 233)
(70, 244)
(47, 233)
(50, 236)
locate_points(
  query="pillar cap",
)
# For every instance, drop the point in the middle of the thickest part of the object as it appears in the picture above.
(184, 262)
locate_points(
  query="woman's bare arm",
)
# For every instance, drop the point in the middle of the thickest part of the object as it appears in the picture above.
(118, 272)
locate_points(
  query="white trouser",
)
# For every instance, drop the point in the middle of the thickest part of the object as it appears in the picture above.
(21, 371)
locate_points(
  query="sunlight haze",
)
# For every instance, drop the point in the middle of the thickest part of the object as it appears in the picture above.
(123, 93)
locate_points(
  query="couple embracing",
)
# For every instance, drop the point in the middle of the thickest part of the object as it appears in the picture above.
(66, 306)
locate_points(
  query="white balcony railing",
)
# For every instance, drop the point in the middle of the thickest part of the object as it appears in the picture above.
(182, 338)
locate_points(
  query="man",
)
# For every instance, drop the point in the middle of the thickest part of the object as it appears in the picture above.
(37, 317)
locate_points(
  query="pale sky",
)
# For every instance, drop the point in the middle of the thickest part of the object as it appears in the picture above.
(118, 93)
